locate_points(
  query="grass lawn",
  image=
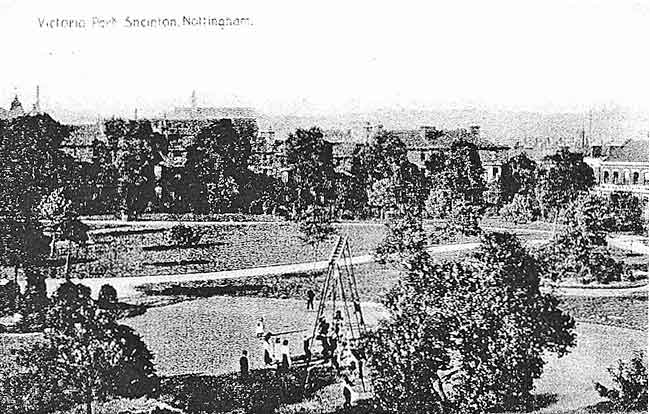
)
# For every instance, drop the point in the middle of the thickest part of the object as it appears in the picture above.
(223, 247)
(206, 336)
(373, 281)
(623, 311)
(120, 252)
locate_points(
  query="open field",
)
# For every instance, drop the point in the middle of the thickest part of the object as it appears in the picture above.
(374, 280)
(206, 336)
(144, 251)
(223, 247)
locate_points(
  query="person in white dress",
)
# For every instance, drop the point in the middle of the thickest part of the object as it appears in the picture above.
(259, 329)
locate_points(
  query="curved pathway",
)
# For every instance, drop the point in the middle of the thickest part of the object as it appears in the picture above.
(125, 286)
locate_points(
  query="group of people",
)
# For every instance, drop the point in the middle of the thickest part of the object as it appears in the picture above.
(276, 353)
(336, 343)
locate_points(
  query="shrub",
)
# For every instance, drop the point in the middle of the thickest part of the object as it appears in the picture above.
(9, 294)
(262, 392)
(32, 308)
(86, 354)
(37, 390)
(107, 297)
(586, 266)
(631, 380)
(522, 209)
(182, 235)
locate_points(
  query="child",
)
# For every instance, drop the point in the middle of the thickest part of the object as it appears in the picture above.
(259, 329)
(277, 351)
(243, 364)
(285, 356)
(268, 360)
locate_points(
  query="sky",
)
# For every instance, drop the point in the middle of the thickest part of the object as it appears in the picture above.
(306, 58)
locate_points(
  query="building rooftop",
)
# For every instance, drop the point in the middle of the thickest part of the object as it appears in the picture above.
(630, 151)
(430, 137)
(187, 113)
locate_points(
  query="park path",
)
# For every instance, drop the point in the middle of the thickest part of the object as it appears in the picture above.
(126, 286)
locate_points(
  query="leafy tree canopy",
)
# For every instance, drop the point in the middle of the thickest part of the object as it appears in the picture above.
(466, 336)
(562, 177)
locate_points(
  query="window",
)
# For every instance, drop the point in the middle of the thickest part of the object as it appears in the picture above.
(615, 178)
(422, 156)
(606, 177)
(495, 172)
(635, 178)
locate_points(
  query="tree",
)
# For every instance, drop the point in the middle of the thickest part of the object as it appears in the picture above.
(217, 165)
(631, 379)
(24, 246)
(107, 297)
(351, 187)
(315, 225)
(517, 185)
(32, 165)
(562, 177)
(404, 239)
(386, 153)
(101, 177)
(31, 162)
(134, 162)
(522, 209)
(265, 194)
(394, 183)
(223, 194)
(518, 176)
(86, 353)
(311, 176)
(469, 335)
(457, 183)
(578, 250)
(64, 223)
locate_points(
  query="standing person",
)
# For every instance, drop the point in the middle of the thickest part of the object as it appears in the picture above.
(323, 335)
(333, 353)
(338, 321)
(285, 356)
(305, 347)
(347, 392)
(277, 351)
(310, 299)
(243, 364)
(268, 360)
(259, 329)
